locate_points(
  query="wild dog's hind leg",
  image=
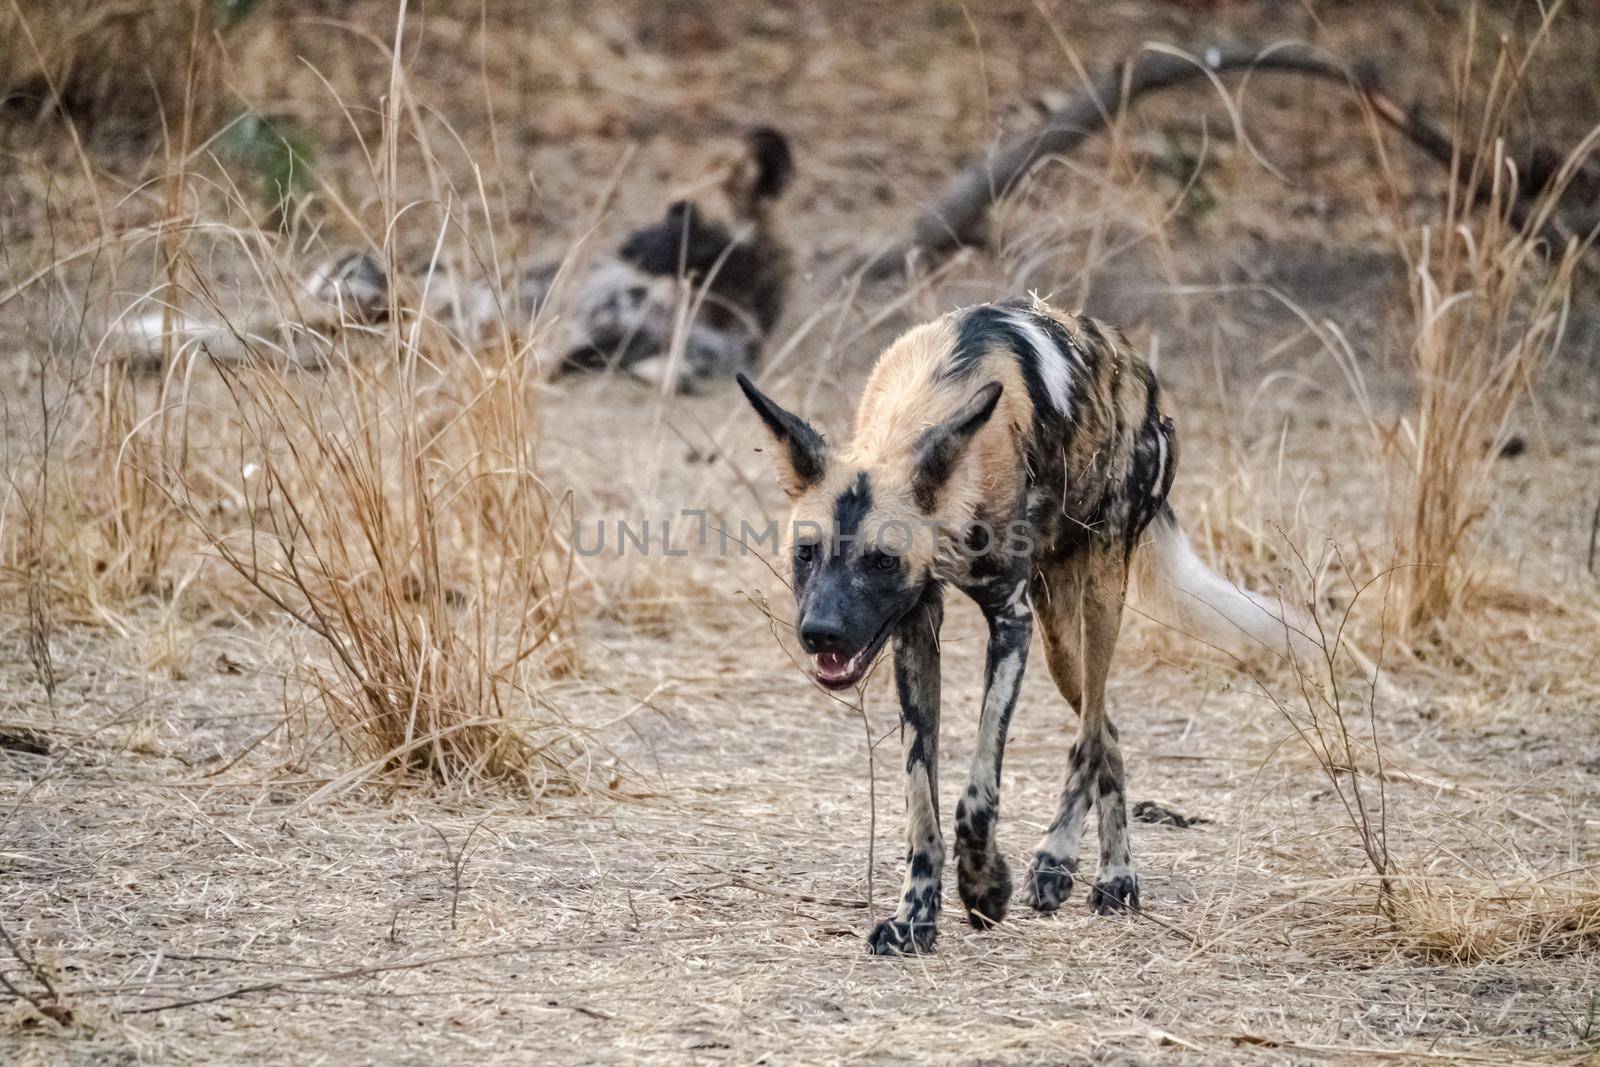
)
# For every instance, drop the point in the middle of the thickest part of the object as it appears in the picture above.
(982, 877)
(915, 922)
(1080, 606)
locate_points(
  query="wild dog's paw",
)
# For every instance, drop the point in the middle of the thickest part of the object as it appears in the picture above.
(1115, 894)
(1050, 881)
(985, 892)
(896, 937)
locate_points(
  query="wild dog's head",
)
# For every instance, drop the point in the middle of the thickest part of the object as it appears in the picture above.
(719, 233)
(716, 252)
(864, 537)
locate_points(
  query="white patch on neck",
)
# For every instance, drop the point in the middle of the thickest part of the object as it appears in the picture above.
(1048, 357)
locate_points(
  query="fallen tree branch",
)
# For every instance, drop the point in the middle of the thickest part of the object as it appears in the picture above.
(959, 214)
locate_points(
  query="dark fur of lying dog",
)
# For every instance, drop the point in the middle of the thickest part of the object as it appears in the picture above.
(716, 260)
(1022, 456)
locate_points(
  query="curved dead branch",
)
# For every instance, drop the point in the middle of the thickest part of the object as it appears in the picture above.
(959, 214)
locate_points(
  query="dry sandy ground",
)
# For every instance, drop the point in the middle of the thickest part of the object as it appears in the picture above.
(721, 918)
(193, 909)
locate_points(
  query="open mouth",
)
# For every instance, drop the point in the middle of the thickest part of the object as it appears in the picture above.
(837, 670)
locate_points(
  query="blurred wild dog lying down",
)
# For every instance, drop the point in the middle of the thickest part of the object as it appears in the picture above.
(1023, 456)
(711, 273)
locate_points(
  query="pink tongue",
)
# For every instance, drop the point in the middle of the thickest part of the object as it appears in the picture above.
(831, 662)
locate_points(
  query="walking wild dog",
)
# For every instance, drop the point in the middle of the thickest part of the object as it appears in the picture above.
(1021, 455)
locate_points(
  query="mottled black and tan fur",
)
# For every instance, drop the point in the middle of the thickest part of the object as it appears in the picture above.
(715, 266)
(1022, 456)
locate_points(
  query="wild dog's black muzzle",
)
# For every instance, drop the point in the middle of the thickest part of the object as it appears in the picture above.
(836, 613)
(823, 633)
(845, 619)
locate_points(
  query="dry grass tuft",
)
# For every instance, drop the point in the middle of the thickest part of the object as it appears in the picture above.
(403, 523)
(378, 486)
(1469, 924)
(1491, 300)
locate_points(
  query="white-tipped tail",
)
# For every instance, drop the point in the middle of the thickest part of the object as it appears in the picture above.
(149, 330)
(1196, 600)
(349, 288)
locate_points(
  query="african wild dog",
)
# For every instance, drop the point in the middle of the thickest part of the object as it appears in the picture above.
(715, 266)
(1021, 455)
(725, 243)
(712, 270)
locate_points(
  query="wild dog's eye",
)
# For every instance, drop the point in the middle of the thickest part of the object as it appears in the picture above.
(881, 561)
(805, 551)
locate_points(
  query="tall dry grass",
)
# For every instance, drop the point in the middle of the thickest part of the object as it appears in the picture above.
(377, 486)
(1492, 288)
(403, 525)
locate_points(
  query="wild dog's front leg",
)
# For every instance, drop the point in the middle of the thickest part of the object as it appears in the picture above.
(982, 877)
(916, 676)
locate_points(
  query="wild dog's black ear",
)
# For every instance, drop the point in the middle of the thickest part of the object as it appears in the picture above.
(803, 455)
(940, 447)
(774, 162)
(759, 174)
